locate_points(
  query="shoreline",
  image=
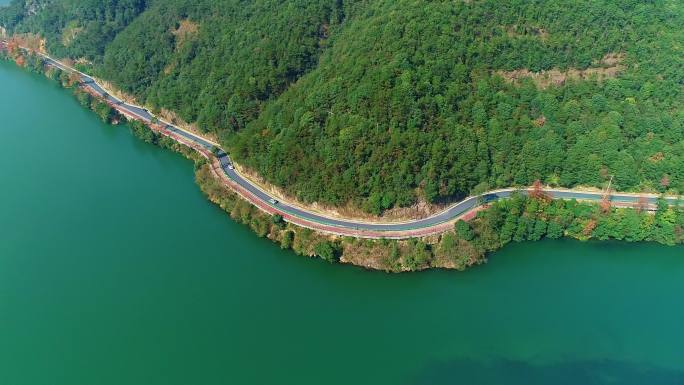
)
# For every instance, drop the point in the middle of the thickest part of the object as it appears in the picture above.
(402, 253)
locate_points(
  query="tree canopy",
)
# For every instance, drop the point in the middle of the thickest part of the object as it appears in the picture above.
(382, 103)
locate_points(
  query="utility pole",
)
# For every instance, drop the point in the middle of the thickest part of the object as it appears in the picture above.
(605, 200)
(609, 183)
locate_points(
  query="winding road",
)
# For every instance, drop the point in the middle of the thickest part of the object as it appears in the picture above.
(297, 215)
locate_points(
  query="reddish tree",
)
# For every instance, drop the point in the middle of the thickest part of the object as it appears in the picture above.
(605, 204)
(589, 228)
(642, 204)
(665, 181)
(12, 46)
(537, 191)
(74, 78)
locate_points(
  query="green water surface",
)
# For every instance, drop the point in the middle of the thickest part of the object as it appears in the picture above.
(115, 270)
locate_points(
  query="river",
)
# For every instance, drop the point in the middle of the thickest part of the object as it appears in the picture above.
(114, 269)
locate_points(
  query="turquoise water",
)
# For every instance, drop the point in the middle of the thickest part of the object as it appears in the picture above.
(114, 269)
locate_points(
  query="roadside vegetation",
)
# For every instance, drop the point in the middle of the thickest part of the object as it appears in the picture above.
(522, 218)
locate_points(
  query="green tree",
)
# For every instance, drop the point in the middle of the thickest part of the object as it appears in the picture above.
(539, 230)
(104, 111)
(328, 251)
(555, 230)
(278, 220)
(84, 98)
(287, 240)
(464, 230)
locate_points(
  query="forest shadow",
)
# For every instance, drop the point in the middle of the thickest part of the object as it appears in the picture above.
(510, 372)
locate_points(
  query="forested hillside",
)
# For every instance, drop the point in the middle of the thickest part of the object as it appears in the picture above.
(386, 102)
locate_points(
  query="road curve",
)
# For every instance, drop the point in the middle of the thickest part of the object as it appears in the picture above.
(427, 226)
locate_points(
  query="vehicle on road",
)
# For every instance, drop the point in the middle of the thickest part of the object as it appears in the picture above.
(231, 167)
(273, 201)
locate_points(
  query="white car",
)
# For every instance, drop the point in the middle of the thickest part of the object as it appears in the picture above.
(273, 201)
(230, 167)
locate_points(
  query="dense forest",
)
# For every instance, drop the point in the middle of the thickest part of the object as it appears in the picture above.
(524, 218)
(383, 103)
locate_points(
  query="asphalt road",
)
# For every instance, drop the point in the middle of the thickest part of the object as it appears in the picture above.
(449, 214)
